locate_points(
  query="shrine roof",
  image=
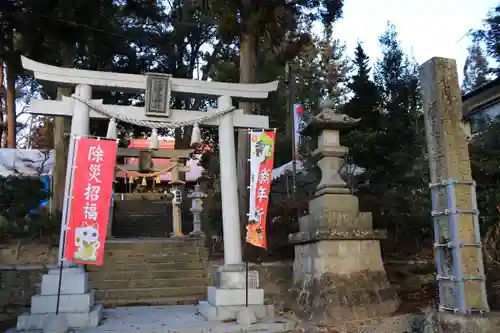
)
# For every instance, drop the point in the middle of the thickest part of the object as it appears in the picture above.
(144, 143)
(191, 176)
(485, 96)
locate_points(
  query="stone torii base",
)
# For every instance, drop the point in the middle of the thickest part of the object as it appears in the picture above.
(227, 298)
(76, 301)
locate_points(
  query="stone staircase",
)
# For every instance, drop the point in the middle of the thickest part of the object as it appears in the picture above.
(145, 215)
(151, 272)
(142, 218)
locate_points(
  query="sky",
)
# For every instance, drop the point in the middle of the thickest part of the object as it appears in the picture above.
(427, 28)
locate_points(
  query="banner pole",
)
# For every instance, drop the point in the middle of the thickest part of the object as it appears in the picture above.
(245, 246)
(246, 274)
(67, 191)
(67, 204)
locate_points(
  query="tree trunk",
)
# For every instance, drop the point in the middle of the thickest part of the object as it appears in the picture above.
(61, 147)
(11, 106)
(248, 74)
(182, 138)
(2, 96)
(61, 143)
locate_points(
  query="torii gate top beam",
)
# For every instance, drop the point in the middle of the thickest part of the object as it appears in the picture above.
(134, 82)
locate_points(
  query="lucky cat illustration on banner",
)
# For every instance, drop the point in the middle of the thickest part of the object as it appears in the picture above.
(87, 242)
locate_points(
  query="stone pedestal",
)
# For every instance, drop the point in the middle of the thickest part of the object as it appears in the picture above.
(338, 269)
(227, 298)
(76, 301)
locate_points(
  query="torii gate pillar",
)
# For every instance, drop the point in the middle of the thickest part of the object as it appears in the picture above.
(229, 190)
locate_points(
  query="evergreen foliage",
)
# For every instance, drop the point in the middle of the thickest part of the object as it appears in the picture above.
(476, 68)
(490, 36)
(389, 142)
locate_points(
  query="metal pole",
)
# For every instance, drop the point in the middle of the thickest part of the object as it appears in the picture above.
(70, 173)
(246, 273)
(67, 194)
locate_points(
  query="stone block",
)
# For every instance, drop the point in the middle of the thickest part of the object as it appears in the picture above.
(69, 268)
(67, 303)
(29, 321)
(320, 205)
(236, 279)
(246, 317)
(70, 283)
(343, 220)
(336, 220)
(306, 223)
(228, 297)
(221, 313)
(342, 257)
(56, 324)
(334, 298)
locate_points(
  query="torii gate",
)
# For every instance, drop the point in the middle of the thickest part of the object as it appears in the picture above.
(227, 297)
(158, 88)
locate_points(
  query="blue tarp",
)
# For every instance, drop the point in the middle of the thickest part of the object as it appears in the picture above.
(46, 188)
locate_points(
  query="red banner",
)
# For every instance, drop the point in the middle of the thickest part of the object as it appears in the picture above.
(91, 193)
(261, 169)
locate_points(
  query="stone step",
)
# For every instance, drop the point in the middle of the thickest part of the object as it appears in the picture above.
(110, 266)
(133, 205)
(160, 198)
(152, 219)
(151, 258)
(180, 300)
(144, 293)
(118, 233)
(148, 245)
(143, 203)
(105, 275)
(152, 210)
(108, 283)
(147, 229)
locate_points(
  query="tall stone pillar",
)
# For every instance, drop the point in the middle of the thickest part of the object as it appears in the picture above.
(338, 273)
(76, 301)
(459, 259)
(228, 296)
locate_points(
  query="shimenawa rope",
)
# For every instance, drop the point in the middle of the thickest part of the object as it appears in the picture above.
(135, 174)
(151, 124)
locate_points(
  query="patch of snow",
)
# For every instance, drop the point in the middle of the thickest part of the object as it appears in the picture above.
(25, 162)
(287, 167)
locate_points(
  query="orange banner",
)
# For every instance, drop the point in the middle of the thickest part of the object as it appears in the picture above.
(91, 193)
(261, 169)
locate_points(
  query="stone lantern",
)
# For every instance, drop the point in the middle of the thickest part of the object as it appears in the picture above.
(338, 270)
(196, 209)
